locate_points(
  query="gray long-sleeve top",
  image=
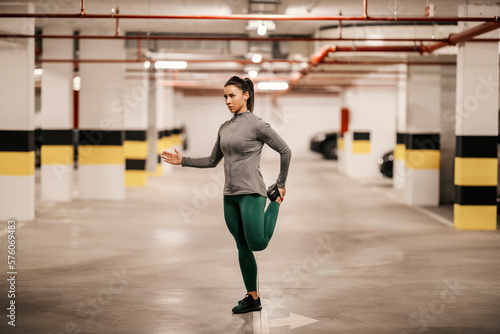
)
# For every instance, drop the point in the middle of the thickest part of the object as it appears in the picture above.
(240, 141)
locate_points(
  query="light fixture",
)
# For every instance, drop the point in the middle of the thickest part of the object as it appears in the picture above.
(161, 64)
(272, 85)
(253, 74)
(147, 64)
(38, 71)
(262, 29)
(77, 83)
(256, 58)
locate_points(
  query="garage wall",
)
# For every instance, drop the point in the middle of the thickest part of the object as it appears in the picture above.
(295, 118)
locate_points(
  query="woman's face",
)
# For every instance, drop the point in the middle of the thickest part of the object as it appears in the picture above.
(236, 101)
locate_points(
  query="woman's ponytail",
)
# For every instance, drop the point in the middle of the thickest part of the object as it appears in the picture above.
(246, 85)
(250, 100)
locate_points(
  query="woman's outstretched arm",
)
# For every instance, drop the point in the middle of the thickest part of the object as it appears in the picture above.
(205, 162)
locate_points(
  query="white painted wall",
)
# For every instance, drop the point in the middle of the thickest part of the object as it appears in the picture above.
(295, 118)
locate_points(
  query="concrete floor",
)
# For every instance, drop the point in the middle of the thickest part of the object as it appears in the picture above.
(347, 257)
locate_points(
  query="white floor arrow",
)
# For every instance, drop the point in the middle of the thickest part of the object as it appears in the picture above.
(294, 321)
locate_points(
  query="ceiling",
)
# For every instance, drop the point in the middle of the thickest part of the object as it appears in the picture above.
(323, 77)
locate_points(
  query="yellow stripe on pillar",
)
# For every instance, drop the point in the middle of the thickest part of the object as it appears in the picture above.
(135, 178)
(17, 163)
(476, 171)
(361, 146)
(400, 152)
(135, 149)
(422, 159)
(341, 143)
(57, 155)
(475, 217)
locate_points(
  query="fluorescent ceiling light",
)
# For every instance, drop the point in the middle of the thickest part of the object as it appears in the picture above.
(170, 64)
(272, 85)
(147, 64)
(262, 29)
(256, 58)
(253, 74)
(77, 83)
(38, 71)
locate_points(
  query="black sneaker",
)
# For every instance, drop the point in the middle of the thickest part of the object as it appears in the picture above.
(273, 192)
(247, 304)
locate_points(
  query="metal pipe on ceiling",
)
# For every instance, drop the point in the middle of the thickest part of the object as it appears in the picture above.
(247, 17)
(464, 35)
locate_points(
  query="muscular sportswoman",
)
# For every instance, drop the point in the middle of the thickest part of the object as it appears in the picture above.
(240, 141)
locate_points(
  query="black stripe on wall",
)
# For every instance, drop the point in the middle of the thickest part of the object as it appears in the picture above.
(159, 158)
(135, 135)
(476, 147)
(161, 134)
(176, 131)
(135, 164)
(471, 195)
(17, 140)
(400, 138)
(361, 136)
(168, 133)
(426, 141)
(97, 137)
(57, 137)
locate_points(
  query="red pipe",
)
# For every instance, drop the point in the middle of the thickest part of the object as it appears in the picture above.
(82, 8)
(252, 17)
(464, 35)
(365, 9)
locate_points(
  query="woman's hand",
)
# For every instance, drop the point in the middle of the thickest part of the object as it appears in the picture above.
(282, 192)
(172, 158)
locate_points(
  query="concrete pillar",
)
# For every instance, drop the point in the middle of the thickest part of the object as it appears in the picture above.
(422, 137)
(165, 110)
(57, 153)
(476, 129)
(371, 130)
(399, 151)
(153, 133)
(101, 160)
(135, 121)
(447, 137)
(17, 93)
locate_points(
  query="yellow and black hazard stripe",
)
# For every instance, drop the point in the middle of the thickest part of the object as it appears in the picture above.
(400, 149)
(476, 177)
(340, 140)
(101, 147)
(361, 143)
(136, 151)
(422, 151)
(17, 152)
(57, 147)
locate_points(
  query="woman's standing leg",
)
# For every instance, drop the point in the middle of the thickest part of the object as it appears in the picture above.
(258, 224)
(246, 258)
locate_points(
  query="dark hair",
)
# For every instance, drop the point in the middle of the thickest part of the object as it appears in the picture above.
(246, 85)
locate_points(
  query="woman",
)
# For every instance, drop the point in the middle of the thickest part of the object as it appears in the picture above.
(240, 141)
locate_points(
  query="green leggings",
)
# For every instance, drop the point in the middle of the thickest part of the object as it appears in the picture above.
(251, 228)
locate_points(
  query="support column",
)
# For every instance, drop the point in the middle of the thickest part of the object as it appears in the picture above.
(371, 130)
(476, 129)
(422, 138)
(101, 160)
(135, 106)
(165, 109)
(17, 93)
(57, 154)
(398, 173)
